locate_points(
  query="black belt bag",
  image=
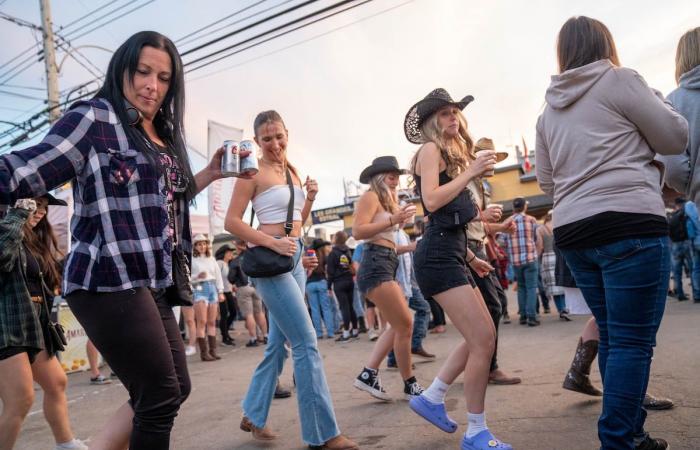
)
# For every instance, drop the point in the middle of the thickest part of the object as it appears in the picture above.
(456, 214)
(262, 262)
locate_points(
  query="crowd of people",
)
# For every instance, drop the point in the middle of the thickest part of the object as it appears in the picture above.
(604, 142)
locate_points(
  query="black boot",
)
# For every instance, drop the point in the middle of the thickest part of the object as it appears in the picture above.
(577, 378)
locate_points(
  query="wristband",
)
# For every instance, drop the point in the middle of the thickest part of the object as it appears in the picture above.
(472, 258)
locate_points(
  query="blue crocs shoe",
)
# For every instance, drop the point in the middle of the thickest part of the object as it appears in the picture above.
(484, 441)
(433, 413)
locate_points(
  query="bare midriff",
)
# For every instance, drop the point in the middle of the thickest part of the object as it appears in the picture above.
(277, 229)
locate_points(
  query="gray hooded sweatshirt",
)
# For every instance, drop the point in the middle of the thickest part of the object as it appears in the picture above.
(682, 172)
(597, 139)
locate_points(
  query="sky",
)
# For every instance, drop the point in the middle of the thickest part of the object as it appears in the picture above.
(343, 86)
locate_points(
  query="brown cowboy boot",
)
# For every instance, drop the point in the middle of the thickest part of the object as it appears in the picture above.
(204, 350)
(339, 442)
(261, 434)
(212, 347)
(577, 378)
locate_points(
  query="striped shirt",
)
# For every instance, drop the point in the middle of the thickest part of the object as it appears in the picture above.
(521, 244)
(120, 233)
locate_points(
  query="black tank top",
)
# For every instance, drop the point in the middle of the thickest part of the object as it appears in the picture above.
(443, 179)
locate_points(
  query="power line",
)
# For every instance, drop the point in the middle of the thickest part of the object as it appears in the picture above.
(112, 19)
(81, 18)
(247, 27)
(218, 21)
(17, 86)
(14, 94)
(107, 14)
(333, 30)
(283, 33)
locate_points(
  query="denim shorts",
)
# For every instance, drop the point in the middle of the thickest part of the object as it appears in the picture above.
(439, 260)
(378, 265)
(205, 292)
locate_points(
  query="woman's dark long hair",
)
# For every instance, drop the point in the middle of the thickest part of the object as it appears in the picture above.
(41, 243)
(582, 41)
(169, 119)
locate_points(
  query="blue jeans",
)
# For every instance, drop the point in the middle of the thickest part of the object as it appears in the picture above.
(682, 254)
(526, 275)
(320, 304)
(695, 272)
(421, 319)
(625, 285)
(358, 303)
(289, 321)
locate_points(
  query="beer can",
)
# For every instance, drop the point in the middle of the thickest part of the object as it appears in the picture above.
(231, 161)
(249, 164)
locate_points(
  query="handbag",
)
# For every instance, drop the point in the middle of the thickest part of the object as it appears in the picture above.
(262, 262)
(57, 334)
(180, 292)
(457, 213)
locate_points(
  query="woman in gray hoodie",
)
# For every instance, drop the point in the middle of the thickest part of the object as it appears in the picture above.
(681, 173)
(596, 143)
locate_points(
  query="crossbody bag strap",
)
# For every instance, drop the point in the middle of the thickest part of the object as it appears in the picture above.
(289, 224)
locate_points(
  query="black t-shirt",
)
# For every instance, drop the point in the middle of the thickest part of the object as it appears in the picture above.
(608, 227)
(33, 275)
(175, 181)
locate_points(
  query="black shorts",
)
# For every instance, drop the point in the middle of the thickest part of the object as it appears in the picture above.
(439, 261)
(9, 352)
(378, 265)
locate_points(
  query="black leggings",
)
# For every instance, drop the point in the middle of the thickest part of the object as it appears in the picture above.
(437, 312)
(136, 333)
(344, 293)
(227, 308)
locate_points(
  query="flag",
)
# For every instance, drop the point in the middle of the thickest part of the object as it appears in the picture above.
(527, 167)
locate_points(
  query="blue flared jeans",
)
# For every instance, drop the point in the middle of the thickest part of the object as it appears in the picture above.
(289, 321)
(625, 285)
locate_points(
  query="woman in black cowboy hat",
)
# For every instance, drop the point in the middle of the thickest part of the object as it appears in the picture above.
(29, 274)
(443, 167)
(377, 216)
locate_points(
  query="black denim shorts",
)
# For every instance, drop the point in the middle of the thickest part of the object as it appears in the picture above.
(378, 265)
(439, 260)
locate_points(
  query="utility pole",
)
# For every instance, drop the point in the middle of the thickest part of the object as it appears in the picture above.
(50, 61)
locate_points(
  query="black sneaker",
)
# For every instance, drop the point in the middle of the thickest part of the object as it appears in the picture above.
(506, 318)
(682, 298)
(368, 381)
(650, 443)
(411, 388)
(532, 322)
(523, 320)
(252, 344)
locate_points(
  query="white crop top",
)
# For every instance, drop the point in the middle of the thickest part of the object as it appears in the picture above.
(271, 205)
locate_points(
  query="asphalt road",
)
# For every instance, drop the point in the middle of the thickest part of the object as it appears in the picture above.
(537, 414)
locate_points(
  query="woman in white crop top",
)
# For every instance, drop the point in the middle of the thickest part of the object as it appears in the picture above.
(377, 216)
(208, 287)
(283, 294)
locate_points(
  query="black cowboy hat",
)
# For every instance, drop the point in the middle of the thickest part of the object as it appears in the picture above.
(222, 251)
(425, 108)
(318, 243)
(382, 164)
(54, 201)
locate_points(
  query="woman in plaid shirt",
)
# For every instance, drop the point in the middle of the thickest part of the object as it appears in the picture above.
(132, 183)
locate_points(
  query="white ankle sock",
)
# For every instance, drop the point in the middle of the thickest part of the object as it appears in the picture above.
(346, 334)
(436, 391)
(477, 424)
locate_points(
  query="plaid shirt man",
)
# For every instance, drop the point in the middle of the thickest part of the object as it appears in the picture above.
(120, 230)
(521, 244)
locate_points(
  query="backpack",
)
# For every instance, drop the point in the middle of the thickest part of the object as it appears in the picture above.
(677, 226)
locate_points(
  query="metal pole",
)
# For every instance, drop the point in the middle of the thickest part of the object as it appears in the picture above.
(50, 61)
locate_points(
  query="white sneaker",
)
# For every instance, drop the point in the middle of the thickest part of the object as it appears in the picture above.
(190, 350)
(373, 335)
(75, 444)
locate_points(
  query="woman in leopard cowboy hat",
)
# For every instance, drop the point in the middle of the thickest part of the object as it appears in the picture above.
(443, 167)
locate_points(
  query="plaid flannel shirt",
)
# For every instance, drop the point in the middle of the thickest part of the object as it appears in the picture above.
(521, 244)
(19, 321)
(120, 233)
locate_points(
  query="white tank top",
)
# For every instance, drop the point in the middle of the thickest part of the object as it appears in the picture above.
(271, 205)
(387, 233)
